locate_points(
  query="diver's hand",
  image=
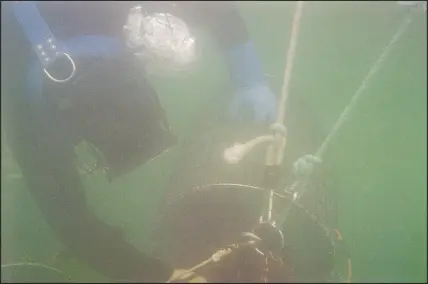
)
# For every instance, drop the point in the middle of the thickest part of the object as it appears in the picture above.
(252, 91)
(183, 276)
(257, 100)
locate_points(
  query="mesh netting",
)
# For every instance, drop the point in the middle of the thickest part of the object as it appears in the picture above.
(200, 222)
(197, 220)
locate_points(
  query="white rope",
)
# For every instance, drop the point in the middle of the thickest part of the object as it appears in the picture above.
(291, 54)
(308, 159)
(362, 87)
(186, 274)
(32, 264)
(275, 151)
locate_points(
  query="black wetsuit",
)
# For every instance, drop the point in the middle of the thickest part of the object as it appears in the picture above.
(46, 157)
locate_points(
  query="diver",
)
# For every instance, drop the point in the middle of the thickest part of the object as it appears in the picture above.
(68, 75)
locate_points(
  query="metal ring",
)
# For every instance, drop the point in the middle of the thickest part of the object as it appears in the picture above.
(73, 71)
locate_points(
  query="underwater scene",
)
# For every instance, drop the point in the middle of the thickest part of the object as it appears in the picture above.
(230, 141)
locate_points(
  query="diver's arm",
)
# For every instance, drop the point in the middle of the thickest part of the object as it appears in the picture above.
(46, 163)
(228, 28)
(230, 32)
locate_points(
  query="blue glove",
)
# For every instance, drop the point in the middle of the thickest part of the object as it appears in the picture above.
(252, 91)
(258, 99)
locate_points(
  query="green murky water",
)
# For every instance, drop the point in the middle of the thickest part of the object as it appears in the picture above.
(378, 159)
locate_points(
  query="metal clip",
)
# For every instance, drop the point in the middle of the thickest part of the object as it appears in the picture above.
(73, 71)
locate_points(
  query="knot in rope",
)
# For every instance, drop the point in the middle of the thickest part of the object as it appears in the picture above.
(279, 128)
(304, 165)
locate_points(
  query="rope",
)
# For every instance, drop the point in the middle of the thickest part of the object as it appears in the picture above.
(348, 259)
(349, 265)
(363, 86)
(289, 63)
(275, 152)
(306, 161)
(33, 264)
(216, 257)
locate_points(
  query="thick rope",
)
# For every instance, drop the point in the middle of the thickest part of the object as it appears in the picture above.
(291, 54)
(275, 152)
